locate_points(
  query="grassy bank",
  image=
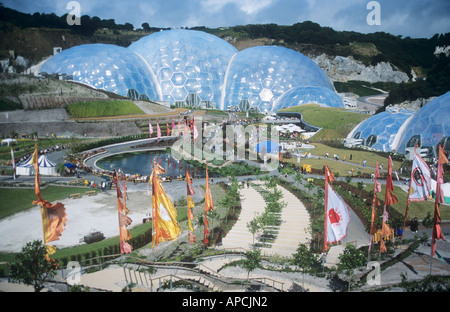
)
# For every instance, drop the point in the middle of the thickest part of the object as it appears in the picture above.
(336, 123)
(103, 109)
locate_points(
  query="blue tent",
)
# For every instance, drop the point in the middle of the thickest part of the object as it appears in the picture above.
(69, 165)
(269, 146)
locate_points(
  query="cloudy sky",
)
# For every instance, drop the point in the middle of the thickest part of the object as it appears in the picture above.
(414, 18)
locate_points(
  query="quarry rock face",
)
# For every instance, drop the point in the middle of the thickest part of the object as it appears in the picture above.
(344, 69)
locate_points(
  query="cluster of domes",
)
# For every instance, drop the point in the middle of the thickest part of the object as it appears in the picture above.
(399, 130)
(193, 68)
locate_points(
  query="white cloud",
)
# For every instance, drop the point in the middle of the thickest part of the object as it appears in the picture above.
(247, 6)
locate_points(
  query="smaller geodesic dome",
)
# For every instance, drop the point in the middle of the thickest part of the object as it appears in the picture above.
(429, 126)
(379, 131)
(258, 76)
(107, 67)
(322, 96)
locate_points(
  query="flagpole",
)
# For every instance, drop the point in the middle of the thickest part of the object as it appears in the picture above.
(407, 198)
(374, 199)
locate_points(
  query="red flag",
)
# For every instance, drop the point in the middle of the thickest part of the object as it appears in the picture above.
(158, 131)
(437, 232)
(390, 198)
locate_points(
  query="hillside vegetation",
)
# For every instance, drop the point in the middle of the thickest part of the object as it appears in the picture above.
(336, 123)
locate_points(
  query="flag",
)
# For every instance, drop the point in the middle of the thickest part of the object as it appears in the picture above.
(124, 220)
(179, 127)
(13, 162)
(150, 129)
(168, 129)
(208, 199)
(195, 132)
(190, 206)
(158, 132)
(54, 216)
(437, 231)
(337, 214)
(190, 190)
(420, 183)
(164, 214)
(390, 198)
(173, 124)
(375, 202)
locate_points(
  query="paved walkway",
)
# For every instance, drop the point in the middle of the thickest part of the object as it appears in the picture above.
(293, 229)
(239, 236)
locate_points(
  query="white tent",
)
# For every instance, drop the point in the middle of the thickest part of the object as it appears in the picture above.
(25, 168)
(46, 167)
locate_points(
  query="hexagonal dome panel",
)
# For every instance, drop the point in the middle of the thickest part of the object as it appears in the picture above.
(108, 67)
(193, 54)
(273, 69)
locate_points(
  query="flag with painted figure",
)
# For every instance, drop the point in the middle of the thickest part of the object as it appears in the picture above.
(420, 180)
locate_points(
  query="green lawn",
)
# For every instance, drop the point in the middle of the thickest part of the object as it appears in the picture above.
(103, 109)
(336, 123)
(17, 199)
(358, 157)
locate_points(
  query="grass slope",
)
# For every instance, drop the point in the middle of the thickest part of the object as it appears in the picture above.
(103, 109)
(336, 123)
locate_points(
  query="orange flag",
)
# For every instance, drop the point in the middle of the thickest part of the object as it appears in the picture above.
(54, 216)
(208, 199)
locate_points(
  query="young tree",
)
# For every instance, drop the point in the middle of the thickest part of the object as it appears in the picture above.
(32, 267)
(305, 259)
(349, 260)
(253, 258)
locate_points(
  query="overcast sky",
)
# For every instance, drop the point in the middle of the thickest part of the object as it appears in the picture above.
(414, 18)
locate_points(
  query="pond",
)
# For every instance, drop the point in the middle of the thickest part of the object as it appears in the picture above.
(141, 163)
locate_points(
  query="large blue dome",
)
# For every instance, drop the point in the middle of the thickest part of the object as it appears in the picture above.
(189, 65)
(259, 76)
(108, 67)
(428, 127)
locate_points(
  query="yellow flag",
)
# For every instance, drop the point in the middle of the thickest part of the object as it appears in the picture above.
(165, 222)
(209, 206)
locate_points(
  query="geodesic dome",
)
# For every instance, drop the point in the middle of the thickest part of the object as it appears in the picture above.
(259, 76)
(322, 96)
(379, 131)
(105, 66)
(189, 65)
(429, 126)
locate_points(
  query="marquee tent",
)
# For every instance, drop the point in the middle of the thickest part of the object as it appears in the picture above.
(46, 167)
